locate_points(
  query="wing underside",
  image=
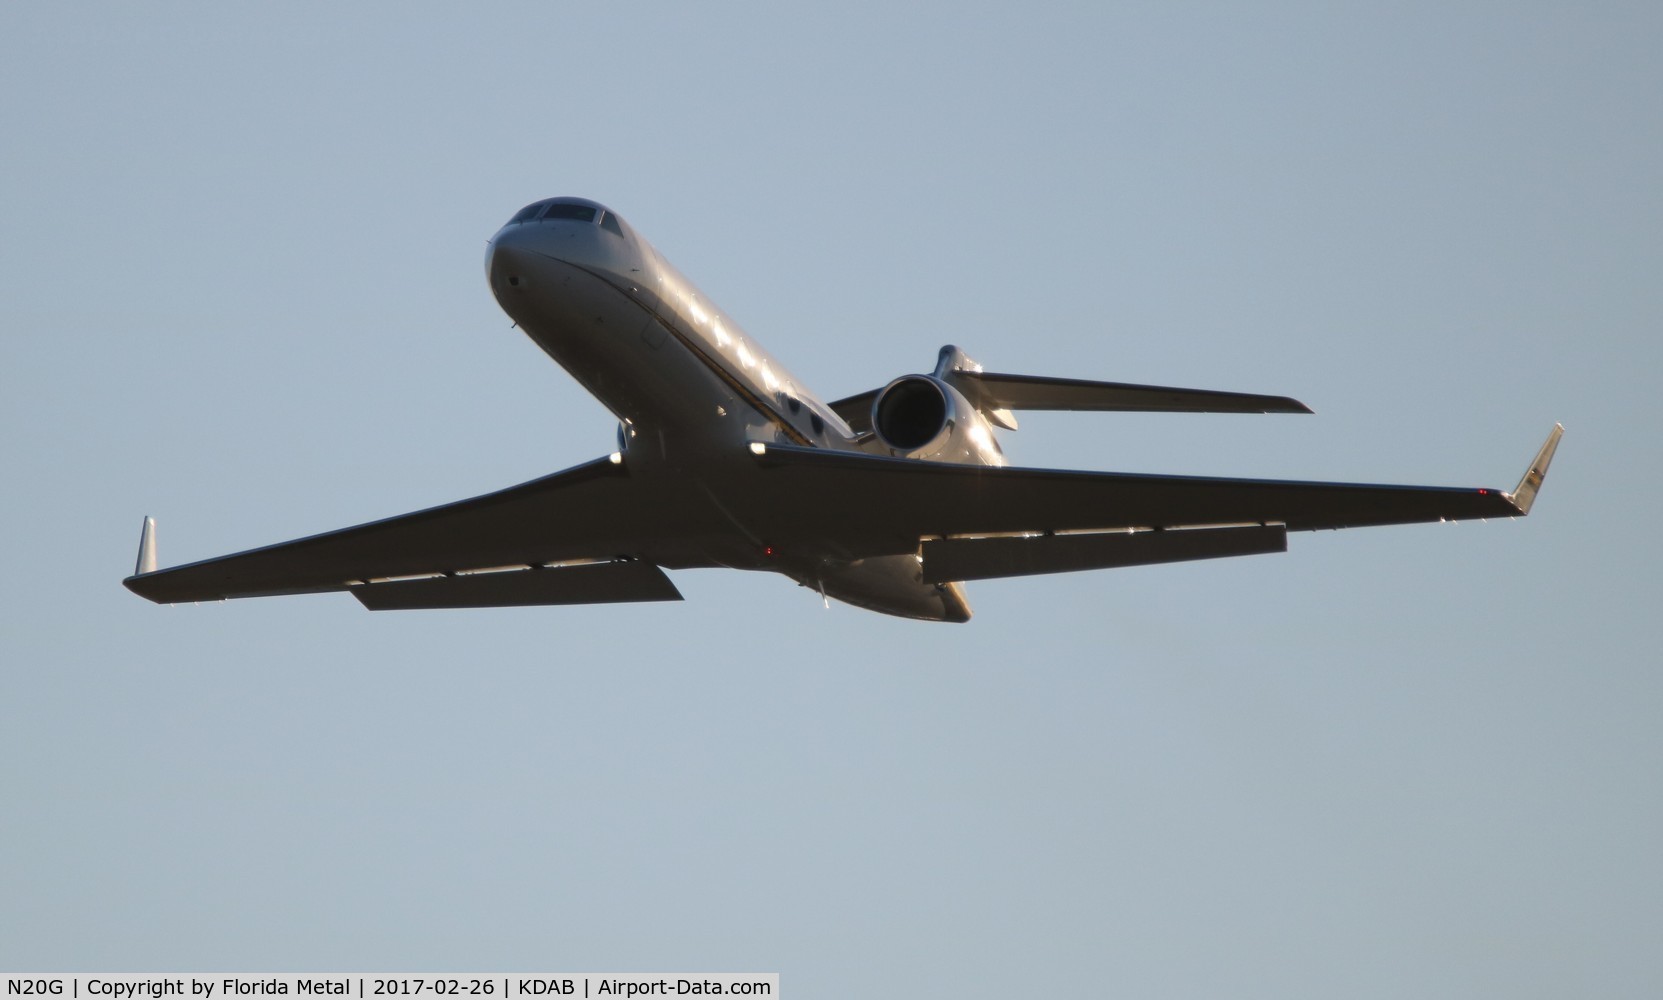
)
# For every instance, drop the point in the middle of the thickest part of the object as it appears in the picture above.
(595, 533)
(968, 522)
(988, 557)
(562, 531)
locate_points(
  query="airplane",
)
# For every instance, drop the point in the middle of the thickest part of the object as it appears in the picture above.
(888, 500)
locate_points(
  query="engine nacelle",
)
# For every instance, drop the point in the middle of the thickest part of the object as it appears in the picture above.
(920, 416)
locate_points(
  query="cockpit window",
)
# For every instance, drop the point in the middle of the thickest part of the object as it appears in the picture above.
(527, 212)
(609, 222)
(581, 213)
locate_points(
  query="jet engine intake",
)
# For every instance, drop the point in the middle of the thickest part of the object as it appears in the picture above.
(920, 416)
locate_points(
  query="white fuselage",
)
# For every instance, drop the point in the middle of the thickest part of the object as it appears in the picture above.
(675, 369)
(691, 390)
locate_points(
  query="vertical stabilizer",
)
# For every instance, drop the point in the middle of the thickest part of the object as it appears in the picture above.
(147, 549)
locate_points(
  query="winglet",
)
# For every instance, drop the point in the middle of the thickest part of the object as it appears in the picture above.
(1524, 495)
(147, 548)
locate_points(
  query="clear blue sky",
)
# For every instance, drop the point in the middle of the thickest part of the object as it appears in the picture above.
(241, 289)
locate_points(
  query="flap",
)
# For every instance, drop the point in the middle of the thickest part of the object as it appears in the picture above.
(591, 583)
(987, 558)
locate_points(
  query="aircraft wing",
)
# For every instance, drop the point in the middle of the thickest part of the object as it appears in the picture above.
(891, 505)
(616, 530)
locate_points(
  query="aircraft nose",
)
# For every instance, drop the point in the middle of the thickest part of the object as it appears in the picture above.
(506, 261)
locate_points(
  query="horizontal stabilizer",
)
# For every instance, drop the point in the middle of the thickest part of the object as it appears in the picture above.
(995, 391)
(988, 558)
(856, 410)
(997, 395)
(591, 583)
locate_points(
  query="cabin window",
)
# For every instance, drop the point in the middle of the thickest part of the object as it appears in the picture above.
(793, 404)
(581, 213)
(818, 424)
(609, 222)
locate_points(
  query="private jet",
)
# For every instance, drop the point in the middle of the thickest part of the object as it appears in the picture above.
(887, 500)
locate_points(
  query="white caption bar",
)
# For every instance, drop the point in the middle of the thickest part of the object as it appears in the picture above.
(383, 985)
